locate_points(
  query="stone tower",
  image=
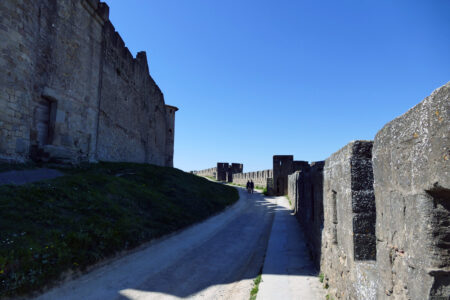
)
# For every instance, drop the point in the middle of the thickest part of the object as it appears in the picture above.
(170, 136)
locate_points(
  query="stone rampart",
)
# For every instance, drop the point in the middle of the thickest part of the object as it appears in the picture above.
(71, 91)
(411, 162)
(211, 172)
(348, 239)
(382, 213)
(259, 178)
(305, 191)
(223, 172)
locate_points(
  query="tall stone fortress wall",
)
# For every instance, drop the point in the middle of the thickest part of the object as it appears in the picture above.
(71, 91)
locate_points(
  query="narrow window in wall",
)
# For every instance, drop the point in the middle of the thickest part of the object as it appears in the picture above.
(335, 217)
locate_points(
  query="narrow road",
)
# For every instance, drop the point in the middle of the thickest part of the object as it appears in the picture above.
(216, 259)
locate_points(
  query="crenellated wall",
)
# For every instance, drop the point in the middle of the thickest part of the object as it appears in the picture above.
(211, 172)
(376, 214)
(259, 178)
(71, 91)
(411, 163)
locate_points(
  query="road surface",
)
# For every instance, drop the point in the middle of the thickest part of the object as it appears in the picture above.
(216, 259)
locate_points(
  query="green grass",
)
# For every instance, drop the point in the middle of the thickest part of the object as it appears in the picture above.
(290, 203)
(321, 277)
(255, 289)
(77, 220)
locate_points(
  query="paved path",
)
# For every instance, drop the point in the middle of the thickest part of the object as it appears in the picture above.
(27, 176)
(217, 259)
(288, 271)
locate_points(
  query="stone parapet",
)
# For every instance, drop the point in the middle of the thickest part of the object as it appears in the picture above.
(411, 163)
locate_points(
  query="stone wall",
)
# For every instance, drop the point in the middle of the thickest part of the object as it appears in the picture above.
(411, 161)
(386, 217)
(305, 191)
(223, 171)
(259, 178)
(348, 250)
(283, 166)
(211, 172)
(71, 91)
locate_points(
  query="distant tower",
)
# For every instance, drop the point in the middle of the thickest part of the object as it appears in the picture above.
(170, 136)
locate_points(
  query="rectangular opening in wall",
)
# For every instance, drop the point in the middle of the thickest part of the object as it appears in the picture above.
(44, 121)
(335, 217)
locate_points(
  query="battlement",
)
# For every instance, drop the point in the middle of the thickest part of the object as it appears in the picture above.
(98, 9)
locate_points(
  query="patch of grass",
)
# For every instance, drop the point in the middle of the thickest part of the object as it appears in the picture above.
(321, 277)
(290, 203)
(77, 220)
(329, 297)
(255, 289)
(326, 286)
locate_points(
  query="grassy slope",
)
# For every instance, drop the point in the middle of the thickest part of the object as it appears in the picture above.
(77, 220)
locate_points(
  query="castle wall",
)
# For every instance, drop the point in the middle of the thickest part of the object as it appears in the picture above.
(259, 178)
(71, 91)
(385, 209)
(211, 172)
(132, 124)
(411, 161)
(283, 166)
(51, 51)
(348, 250)
(305, 191)
(170, 137)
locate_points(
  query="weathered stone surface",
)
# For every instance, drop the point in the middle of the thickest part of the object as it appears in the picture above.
(223, 172)
(305, 190)
(411, 159)
(69, 81)
(348, 247)
(259, 178)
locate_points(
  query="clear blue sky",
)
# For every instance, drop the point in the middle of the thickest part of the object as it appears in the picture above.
(255, 78)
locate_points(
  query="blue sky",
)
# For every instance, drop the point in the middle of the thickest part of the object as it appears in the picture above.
(255, 78)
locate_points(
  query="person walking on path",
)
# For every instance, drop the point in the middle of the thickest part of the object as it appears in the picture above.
(248, 186)
(252, 186)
